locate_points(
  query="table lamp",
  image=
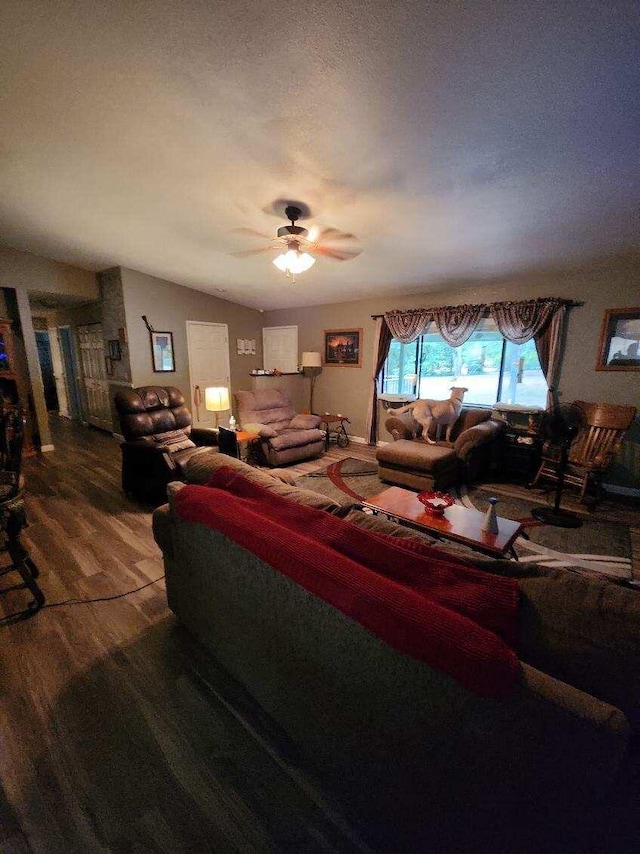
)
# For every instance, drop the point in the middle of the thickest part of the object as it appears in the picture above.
(311, 367)
(216, 399)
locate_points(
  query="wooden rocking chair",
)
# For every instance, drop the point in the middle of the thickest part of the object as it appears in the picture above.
(593, 449)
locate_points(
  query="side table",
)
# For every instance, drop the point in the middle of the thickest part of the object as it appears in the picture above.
(237, 443)
(519, 454)
(334, 429)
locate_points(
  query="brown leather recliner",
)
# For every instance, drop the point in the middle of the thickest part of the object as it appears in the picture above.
(158, 439)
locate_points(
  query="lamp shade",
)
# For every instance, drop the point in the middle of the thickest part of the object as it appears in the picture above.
(311, 360)
(216, 398)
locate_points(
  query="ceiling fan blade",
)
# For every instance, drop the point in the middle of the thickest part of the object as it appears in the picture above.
(251, 232)
(337, 254)
(329, 234)
(246, 252)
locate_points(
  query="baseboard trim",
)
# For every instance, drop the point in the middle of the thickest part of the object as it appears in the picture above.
(360, 440)
(45, 449)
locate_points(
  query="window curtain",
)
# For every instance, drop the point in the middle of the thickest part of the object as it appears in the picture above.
(456, 323)
(519, 322)
(406, 326)
(542, 320)
(381, 344)
(548, 346)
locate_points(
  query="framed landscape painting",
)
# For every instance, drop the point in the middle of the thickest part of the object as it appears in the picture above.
(620, 340)
(342, 348)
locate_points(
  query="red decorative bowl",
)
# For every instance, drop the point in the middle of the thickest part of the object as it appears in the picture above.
(436, 502)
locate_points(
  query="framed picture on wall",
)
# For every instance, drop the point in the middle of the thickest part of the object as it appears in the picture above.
(162, 352)
(342, 348)
(620, 340)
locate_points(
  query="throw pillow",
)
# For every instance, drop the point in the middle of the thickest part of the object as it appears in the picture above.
(173, 440)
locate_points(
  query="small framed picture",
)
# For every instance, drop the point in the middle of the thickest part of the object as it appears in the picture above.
(620, 340)
(115, 353)
(342, 348)
(162, 352)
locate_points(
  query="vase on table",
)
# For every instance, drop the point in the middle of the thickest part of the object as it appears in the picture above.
(490, 524)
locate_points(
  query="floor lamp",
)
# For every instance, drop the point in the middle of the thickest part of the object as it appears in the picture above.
(311, 367)
(216, 399)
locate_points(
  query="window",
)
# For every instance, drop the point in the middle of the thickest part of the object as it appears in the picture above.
(492, 368)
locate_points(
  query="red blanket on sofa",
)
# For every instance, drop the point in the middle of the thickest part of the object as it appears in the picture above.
(420, 600)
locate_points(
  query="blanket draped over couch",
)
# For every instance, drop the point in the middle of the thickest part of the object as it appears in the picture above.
(412, 753)
(440, 610)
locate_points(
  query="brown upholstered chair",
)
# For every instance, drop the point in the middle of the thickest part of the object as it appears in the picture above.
(593, 449)
(285, 436)
(158, 439)
(410, 461)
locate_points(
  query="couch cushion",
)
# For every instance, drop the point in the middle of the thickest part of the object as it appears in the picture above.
(201, 468)
(295, 439)
(265, 406)
(416, 454)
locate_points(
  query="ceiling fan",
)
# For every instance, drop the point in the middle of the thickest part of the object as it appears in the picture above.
(298, 246)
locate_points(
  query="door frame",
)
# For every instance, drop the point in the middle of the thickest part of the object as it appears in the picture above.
(188, 324)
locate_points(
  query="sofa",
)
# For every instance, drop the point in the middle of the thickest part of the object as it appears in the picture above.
(285, 437)
(410, 461)
(413, 756)
(159, 440)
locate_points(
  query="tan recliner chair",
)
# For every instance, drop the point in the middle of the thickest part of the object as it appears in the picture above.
(285, 437)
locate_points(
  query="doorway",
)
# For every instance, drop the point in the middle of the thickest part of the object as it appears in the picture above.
(94, 375)
(46, 367)
(74, 401)
(208, 348)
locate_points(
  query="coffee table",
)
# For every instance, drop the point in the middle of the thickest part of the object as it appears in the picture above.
(459, 524)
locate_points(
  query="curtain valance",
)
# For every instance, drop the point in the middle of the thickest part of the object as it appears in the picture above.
(518, 322)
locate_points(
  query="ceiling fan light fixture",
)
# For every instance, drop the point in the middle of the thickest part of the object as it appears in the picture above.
(294, 262)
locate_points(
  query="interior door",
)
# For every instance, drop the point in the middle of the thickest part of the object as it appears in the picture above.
(94, 375)
(208, 347)
(69, 373)
(280, 348)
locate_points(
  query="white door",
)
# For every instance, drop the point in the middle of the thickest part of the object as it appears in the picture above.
(94, 376)
(58, 372)
(208, 347)
(280, 348)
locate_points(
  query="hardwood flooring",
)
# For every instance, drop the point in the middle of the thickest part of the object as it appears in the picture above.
(117, 733)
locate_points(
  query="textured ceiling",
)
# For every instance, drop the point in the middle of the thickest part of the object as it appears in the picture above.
(454, 138)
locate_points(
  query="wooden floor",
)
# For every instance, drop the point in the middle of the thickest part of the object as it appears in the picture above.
(116, 733)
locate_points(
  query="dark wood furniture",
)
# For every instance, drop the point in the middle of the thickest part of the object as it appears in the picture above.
(334, 428)
(518, 455)
(13, 516)
(14, 381)
(237, 443)
(593, 449)
(459, 524)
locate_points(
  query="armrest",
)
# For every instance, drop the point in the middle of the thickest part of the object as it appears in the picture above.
(204, 436)
(305, 421)
(476, 436)
(146, 454)
(398, 428)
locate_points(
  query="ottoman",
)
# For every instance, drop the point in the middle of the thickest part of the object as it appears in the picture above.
(417, 464)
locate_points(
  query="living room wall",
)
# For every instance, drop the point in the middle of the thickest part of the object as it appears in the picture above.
(604, 283)
(167, 307)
